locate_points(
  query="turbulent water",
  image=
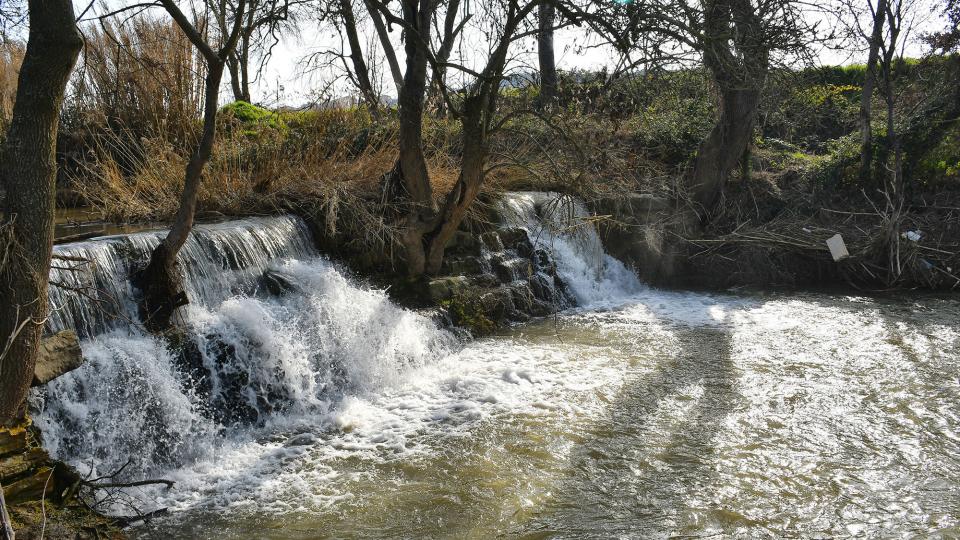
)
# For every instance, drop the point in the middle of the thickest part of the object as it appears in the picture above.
(331, 412)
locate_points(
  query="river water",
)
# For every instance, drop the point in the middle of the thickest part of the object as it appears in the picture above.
(642, 413)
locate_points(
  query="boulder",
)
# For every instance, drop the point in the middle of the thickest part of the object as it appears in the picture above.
(277, 283)
(59, 354)
(492, 241)
(446, 288)
(463, 266)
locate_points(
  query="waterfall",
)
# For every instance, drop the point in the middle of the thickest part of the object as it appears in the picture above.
(254, 354)
(90, 288)
(563, 225)
(276, 337)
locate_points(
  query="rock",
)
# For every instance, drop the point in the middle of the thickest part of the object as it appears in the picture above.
(510, 237)
(522, 297)
(510, 269)
(463, 266)
(463, 242)
(542, 288)
(486, 280)
(277, 283)
(497, 304)
(447, 287)
(59, 354)
(18, 464)
(30, 488)
(492, 241)
(303, 439)
(12, 440)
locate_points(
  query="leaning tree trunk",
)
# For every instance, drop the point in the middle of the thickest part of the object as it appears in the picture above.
(29, 169)
(360, 70)
(737, 56)
(545, 53)
(866, 94)
(465, 191)
(727, 142)
(161, 283)
(411, 164)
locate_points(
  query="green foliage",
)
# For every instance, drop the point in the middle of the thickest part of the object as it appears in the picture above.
(941, 165)
(254, 121)
(811, 114)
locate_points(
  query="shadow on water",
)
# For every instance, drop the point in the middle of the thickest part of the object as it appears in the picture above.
(641, 471)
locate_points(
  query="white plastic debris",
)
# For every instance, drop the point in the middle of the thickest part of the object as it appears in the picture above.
(913, 236)
(837, 248)
(806, 230)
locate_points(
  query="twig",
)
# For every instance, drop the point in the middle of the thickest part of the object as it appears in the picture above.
(7, 530)
(168, 483)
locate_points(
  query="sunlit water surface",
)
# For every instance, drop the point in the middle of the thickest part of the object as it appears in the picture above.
(667, 414)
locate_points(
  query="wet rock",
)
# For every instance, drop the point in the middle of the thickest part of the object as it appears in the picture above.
(516, 239)
(541, 288)
(58, 354)
(303, 439)
(510, 269)
(277, 283)
(492, 241)
(497, 304)
(463, 242)
(463, 266)
(446, 288)
(522, 297)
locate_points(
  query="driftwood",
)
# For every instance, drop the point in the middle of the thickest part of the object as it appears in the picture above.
(6, 532)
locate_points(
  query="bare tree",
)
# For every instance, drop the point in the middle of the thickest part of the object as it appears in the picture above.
(545, 54)
(260, 31)
(428, 226)
(878, 14)
(735, 40)
(28, 170)
(360, 73)
(160, 283)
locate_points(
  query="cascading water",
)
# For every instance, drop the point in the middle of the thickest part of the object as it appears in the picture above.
(305, 405)
(251, 358)
(563, 225)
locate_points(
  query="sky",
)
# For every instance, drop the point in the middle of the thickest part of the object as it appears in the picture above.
(290, 80)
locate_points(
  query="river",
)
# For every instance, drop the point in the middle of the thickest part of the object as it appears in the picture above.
(642, 413)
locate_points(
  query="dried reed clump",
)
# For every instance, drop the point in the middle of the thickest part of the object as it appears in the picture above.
(140, 78)
(312, 165)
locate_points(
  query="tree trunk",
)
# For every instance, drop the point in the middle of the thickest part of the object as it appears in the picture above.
(29, 172)
(548, 65)
(233, 64)
(866, 95)
(735, 52)
(463, 194)
(727, 142)
(161, 283)
(360, 70)
(450, 32)
(411, 164)
(384, 38)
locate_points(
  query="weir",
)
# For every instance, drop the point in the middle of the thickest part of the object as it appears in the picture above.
(297, 399)
(254, 356)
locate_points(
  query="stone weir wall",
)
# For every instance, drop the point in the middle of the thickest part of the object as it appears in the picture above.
(495, 278)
